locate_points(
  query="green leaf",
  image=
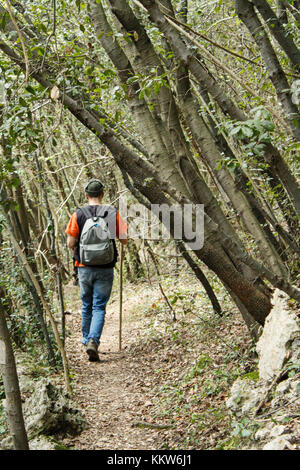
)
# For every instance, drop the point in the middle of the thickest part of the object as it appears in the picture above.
(40, 51)
(235, 130)
(3, 21)
(268, 125)
(264, 138)
(22, 102)
(258, 149)
(109, 73)
(258, 125)
(117, 116)
(247, 131)
(43, 27)
(30, 90)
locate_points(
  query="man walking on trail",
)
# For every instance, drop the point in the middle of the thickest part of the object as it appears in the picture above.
(91, 234)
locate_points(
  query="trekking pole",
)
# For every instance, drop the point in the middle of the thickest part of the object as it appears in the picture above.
(121, 296)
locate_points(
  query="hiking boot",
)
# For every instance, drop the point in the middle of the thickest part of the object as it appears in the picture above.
(92, 350)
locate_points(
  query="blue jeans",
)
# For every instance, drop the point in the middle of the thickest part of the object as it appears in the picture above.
(95, 289)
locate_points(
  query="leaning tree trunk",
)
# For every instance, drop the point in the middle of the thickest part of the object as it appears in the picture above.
(247, 14)
(211, 154)
(142, 55)
(278, 31)
(181, 247)
(150, 124)
(255, 301)
(192, 63)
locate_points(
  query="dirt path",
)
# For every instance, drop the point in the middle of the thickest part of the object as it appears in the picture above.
(111, 392)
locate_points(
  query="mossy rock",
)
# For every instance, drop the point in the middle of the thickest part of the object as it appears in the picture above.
(43, 442)
(254, 375)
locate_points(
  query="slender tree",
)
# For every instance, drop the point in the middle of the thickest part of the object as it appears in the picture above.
(13, 404)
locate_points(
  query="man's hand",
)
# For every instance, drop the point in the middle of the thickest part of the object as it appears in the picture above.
(71, 242)
(124, 241)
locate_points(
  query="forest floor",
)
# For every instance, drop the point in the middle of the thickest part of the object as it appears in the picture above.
(167, 388)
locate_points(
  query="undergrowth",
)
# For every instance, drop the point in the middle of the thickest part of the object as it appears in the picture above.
(195, 360)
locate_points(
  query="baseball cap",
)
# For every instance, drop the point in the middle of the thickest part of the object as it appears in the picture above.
(94, 188)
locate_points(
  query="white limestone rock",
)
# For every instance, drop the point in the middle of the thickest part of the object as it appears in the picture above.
(278, 443)
(245, 396)
(281, 333)
(44, 443)
(49, 410)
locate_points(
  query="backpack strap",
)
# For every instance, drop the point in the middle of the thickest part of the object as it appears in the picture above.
(108, 214)
(100, 213)
(86, 212)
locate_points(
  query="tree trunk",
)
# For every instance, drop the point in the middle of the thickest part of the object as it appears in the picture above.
(183, 10)
(213, 157)
(188, 59)
(46, 308)
(247, 14)
(294, 9)
(280, 34)
(201, 277)
(151, 124)
(212, 254)
(40, 322)
(13, 408)
(282, 12)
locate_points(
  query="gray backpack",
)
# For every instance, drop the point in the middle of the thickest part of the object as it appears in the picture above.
(95, 245)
